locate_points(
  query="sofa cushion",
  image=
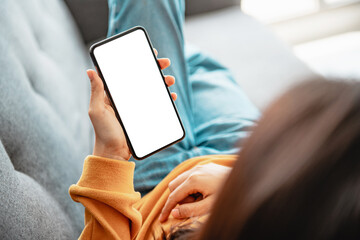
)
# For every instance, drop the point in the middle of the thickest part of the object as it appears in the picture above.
(45, 132)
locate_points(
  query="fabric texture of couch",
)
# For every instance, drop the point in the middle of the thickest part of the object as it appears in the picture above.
(44, 129)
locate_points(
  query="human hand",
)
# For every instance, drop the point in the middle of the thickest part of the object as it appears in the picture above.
(194, 191)
(110, 140)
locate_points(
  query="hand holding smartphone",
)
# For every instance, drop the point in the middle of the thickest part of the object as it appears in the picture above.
(137, 91)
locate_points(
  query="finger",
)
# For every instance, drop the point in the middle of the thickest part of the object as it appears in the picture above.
(164, 63)
(188, 199)
(170, 80)
(107, 100)
(97, 89)
(179, 194)
(174, 96)
(155, 51)
(192, 198)
(179, 180)
(193, 209)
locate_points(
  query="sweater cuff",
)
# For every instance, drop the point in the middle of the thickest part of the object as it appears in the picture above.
(107, 174)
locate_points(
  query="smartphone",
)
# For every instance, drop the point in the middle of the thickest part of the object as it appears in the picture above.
(136, 88)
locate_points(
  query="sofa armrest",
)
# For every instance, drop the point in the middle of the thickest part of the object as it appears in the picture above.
(91, 17)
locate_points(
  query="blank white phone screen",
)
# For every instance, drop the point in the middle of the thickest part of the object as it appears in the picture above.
(139, 92)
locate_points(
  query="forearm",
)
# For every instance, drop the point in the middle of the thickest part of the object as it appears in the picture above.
(106, 191)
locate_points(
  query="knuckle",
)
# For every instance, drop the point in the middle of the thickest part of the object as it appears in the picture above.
(94, 111)
(171, 198)
(91, 111)
(194, 177)
(171, 186)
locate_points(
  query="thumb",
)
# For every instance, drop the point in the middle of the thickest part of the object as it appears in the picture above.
(193, 209)
(97, 89)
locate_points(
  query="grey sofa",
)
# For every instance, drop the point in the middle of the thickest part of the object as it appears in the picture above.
(44, 128)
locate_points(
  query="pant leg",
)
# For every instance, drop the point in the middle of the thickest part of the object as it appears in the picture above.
(222, 111)
(163, 20)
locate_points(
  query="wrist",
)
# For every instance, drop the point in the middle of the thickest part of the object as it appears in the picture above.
(113, 152)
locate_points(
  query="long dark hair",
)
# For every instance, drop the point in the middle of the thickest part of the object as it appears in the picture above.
(298, 175)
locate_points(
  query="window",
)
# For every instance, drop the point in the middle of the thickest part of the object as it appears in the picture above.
(271, 11)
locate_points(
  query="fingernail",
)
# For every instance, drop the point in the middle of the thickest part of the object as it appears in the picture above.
(175, 213)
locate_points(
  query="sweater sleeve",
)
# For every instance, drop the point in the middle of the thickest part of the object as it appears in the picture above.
(106, 190)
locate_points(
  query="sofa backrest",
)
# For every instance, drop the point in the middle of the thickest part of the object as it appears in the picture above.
(194, 7)
(44, 129)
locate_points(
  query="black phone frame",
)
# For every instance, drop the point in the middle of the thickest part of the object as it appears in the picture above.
(93, 58)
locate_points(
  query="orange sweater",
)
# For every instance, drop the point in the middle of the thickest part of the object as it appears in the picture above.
(113, 210)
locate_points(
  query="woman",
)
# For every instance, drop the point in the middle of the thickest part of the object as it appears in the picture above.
(297, 177)
(113, 209)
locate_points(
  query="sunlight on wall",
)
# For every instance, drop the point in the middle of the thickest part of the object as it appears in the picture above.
(277, 10)
(271, 11)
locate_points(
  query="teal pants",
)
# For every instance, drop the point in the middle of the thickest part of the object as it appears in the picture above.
(215, 111)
